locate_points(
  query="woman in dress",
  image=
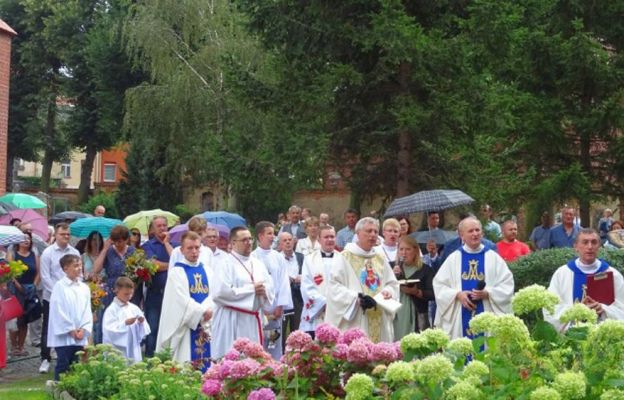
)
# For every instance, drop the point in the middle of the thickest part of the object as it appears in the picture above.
(23, 288)
(413, 316)
(92, 249)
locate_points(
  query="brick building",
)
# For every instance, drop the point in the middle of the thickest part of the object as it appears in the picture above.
(6, 35)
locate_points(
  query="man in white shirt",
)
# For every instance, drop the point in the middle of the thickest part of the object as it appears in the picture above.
(211, 240)
(51, 272)
(277, 268)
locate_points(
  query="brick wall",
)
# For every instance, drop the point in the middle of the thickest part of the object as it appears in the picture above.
(6, 34)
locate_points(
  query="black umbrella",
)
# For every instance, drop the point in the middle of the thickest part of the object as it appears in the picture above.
(67, 216)
(428, 200)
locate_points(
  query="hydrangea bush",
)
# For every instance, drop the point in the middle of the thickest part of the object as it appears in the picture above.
(511, 357)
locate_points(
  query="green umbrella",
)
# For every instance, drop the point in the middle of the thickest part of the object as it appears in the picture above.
(84, 226)
(22, 200)
(142, 219)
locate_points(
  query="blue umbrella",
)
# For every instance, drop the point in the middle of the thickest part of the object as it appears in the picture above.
(230, 220)
(84, 226)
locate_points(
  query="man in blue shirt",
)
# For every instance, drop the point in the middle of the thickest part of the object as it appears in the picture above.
(345, 235)
(540, 237)
(157, 247)
(564, 235)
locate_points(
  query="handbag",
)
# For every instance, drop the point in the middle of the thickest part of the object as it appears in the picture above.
(11, 308)
(32, 309)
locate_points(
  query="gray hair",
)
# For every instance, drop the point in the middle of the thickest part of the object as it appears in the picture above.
(365, 221)
(464, 221)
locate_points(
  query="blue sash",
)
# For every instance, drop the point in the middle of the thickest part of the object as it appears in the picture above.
(198, 290)
(580, 279)
(473, 271)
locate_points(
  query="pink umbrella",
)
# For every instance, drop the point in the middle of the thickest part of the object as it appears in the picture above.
(175, 234)
(28, 216)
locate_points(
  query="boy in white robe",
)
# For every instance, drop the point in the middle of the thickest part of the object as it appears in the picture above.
(187, 308)
(124, 325)
(456, 285)
(360, 273)
(71, 320)
(242, 289)
(568, 280)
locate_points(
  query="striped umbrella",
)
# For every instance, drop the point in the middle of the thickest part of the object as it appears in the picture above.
(10, 235)
(428, 200)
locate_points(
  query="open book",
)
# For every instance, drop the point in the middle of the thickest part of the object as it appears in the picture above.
(390, 305)
(408, 281)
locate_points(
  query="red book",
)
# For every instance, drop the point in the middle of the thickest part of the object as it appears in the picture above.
(600, 287)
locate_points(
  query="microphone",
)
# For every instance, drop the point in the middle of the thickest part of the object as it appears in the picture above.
(401, 264)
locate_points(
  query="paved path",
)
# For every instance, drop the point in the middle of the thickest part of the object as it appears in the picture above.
(19, 368)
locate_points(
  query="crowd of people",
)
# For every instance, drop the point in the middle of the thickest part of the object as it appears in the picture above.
(262, 284)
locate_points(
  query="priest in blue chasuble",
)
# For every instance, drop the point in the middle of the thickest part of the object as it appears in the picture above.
(472, 280)
(187, 308)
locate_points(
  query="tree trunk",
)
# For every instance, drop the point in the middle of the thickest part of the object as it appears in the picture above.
(584, 204)
(10, 170)
(48, 157)
(405, 139)
(85, 174)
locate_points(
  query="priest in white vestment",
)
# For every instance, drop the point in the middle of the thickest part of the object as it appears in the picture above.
(360, 273)
(187, 308)
(569, 282)
(458, 285)
(242, 289)
(317, 268)
(124, 326)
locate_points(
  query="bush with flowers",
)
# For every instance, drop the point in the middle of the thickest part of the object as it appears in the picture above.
(509, 358)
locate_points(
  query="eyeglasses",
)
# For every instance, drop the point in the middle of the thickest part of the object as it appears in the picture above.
(212, 236)
(245, 240)
(136, 233)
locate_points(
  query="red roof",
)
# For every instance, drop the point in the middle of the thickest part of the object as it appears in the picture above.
(4, 27)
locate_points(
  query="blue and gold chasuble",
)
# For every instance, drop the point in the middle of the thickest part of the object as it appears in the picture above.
(198, 290)
(472, 271)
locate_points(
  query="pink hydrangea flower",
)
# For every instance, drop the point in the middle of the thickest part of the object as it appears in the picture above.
(383, 352)
(244, 368)
(211, 387)
(241, 344)
(232, 355)
(340, 352)
(359, 350)
(350, 335)
(298, 340)
(255, 350)
(224, 368)
(397, 350)
(327, 334)
(213, 372)
(261, 394)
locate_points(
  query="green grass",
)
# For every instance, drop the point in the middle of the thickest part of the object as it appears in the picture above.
(25, 389)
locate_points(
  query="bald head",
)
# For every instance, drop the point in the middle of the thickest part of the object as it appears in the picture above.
(286, 242)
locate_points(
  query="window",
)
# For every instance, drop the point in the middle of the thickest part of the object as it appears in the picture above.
(110, 172)
(66, 170)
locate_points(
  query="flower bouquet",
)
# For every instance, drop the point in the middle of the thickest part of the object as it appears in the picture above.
(10, 270)
(139, 268)
(98, 292)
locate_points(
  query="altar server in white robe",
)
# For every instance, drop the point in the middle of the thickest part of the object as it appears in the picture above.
(278, 269)
(199, 226)
(458, 285)
(124, 325)
(360, 273)
(569, 280)
(187, 308)
(242, 289)
(315, 274)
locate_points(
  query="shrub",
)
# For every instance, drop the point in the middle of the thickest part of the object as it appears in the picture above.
(95, 376)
